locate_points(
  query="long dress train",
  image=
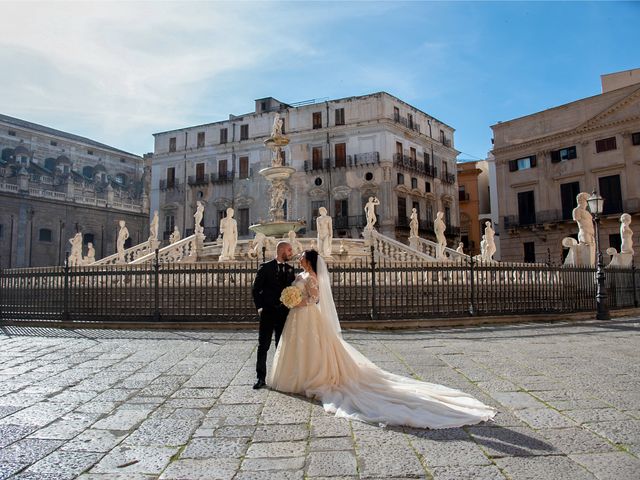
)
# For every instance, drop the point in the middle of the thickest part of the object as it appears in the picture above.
(312, 359)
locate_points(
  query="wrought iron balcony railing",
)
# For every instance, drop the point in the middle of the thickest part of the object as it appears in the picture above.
(198, 179)
(349, 162)
(411, 164)
(222, 177)
(166, 184)
(448, 178)
(406, 122)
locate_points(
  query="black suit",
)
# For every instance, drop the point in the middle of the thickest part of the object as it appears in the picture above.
(267, 288)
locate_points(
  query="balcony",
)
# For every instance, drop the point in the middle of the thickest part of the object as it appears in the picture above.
(405, 122)
(534, 218)
(198, 179)
(413, 165)
(449, 178)
(222, 177)
(370, 158)
(446, 141)
(169, 184)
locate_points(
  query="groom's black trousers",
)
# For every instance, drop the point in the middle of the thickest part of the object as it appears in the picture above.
(271, 320)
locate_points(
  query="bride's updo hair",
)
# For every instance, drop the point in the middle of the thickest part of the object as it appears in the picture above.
(312, 257)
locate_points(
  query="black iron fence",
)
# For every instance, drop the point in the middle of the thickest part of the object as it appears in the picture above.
(363, 290)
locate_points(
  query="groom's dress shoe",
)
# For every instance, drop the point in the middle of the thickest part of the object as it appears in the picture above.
(259, 384)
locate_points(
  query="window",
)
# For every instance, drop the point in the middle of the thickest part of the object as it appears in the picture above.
(169, 224)
(244, 131)
(563, 154)
(447, 216)
(200, 139)
(1, 231)
(316, 154)
(427, 187)
(606, 144)
(400, 179)
(263, 106)
(87, 238)
(416, 205)
(244, 167)
(54, 143)
(445, 168)
(172, 144)
(199, 172)
(442, 137)
(522, 163)
(340, 116)
(222, 168)
(90, 152)
(635, 138)
(317, 120)
(87, 172)
(243, 221)
(429, 213)
(315, 206)
(410, 120)
(45, 235)
(402, 208)
(413, 154)
(526, 208)
(568, 194)
(223, 135)
(122, 160)
(283, 157)
(399, 150)
(12, 133)
(171, 177)
(427, 159)
(529, 252)
(120, 179)
(615, 241)
(318, 181)
(463, 196)
(368, 176)
(612, 194)
(283, 125)
(414, 183)
(396, 114)
(341, 208)
(341, 154)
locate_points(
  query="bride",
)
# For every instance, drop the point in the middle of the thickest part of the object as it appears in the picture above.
(312, 359)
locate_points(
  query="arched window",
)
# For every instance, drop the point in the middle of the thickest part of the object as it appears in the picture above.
(50, 164)
(7, 154)
(45, 235)
(87, 171)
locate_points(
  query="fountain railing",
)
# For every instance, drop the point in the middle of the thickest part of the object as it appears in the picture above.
(431, 248)
(130, 255)
(390, 249)
(178, 252)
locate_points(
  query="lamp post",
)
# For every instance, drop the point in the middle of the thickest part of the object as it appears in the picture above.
(596, 203)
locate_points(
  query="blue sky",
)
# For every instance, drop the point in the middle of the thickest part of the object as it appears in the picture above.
(117, 72)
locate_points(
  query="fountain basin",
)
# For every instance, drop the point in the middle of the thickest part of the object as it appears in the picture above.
(277, 228)
(277, 173)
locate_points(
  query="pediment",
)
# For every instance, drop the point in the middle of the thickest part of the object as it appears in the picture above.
(317, 192)
(624, 110)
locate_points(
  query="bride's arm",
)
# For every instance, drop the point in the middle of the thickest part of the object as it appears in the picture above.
(312, 292)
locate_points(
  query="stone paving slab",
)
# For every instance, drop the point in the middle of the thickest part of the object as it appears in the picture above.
(155, 405)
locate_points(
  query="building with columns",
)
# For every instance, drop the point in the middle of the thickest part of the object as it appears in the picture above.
(54, 184)
(344, 150)
(545, 159)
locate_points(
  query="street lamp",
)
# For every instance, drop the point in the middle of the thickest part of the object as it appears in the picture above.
(596, 203)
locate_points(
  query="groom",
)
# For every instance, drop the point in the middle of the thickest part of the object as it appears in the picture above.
(272, 278)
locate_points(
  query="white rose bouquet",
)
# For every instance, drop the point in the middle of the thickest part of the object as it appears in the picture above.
(291, 296)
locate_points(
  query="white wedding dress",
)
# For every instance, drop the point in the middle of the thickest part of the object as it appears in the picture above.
(312, 359)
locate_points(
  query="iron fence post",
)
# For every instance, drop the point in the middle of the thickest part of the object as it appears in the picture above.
(2, 287)
(264, 252)
(633, 284)
(65, 296)
(374, 311)
(472, 306)
(156, 287)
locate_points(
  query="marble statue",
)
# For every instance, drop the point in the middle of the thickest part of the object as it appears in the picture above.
(490, 243)
(413, 224)
(153, 228)
(278, 192)
(197, 218)
(259, 241)
(229, 230)
(370, 211)
(626, 234)
(123, 235)
(439, 227)
(294, 242)
(91, 254)
(624, 259)
(483, 247)
(460, 248)
(586, 231)
(324, 225)
(75, 256)
(276, 130)
(583, 251)
(175, 235)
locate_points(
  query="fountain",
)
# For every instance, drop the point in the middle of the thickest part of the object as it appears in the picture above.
(278, 176)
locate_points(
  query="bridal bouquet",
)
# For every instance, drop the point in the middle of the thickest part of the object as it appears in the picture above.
(291, 296)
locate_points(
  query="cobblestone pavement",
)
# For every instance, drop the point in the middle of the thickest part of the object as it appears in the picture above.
(97, 404)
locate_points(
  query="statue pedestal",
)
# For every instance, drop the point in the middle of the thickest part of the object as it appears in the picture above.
(579, 256)
(621, 260)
